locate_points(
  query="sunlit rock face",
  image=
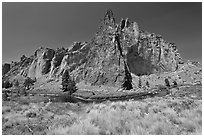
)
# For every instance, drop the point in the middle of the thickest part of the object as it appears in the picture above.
(57, 60)
(41, 63)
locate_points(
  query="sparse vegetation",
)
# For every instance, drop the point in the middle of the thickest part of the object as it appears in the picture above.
(141, 117)
(159, 115)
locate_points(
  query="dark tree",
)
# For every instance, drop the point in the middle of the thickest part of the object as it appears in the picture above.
(174, 84)
(167, 82)
(140, 83)
(28, 83)
(147, 84)
(6, 84)
(68, 85)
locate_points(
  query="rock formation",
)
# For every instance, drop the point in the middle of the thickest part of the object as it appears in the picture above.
(117, 55)
(42, 62)
(5, 68)
(119, 51)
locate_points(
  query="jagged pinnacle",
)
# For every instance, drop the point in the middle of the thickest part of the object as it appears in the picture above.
(109, 17)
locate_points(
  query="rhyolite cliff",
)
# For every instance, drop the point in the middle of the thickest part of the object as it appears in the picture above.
(117, 54)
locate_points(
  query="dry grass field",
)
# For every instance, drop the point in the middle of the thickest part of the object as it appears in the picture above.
(178, 113)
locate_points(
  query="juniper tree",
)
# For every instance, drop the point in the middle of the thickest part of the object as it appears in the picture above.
(167, 82)
(68, 85)
(174, 84)
(28, 82)
(147, 84)
(140, 83)
(6, 84)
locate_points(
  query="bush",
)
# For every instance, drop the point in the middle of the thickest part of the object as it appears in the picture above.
(174, 84)
(31, 114)
(28, 83)
(147, 84)
(6, 84)
(140, 83)
(5, 96)
(22, 92)
(16, 83)
(167, 82)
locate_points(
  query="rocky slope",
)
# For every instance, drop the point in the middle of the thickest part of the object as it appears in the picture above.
(117, 56)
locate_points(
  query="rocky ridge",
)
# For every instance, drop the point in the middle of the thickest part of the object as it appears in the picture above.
(117, 56)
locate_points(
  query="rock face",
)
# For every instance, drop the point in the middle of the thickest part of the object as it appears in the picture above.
(107, 64)
(41, 63)
(116, 56)
(152, 54)
(56, 61)
(119, 51)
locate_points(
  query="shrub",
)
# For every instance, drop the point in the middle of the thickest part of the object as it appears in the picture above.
(22, 92)
(5, 96)
(6, 84)
(28, 82)
(167, 82)
(147, 84)
(31, 114)
(174, 84)
(140, 83)
(16, 83)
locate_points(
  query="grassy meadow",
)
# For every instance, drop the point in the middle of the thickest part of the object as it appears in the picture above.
(177, 114)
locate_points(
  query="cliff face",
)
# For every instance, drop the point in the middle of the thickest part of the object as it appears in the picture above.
(152, 54)
(5, 68)
(107, 64)
(116, 53)
(42, 62)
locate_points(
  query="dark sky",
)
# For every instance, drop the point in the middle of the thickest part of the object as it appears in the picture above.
(27, 26)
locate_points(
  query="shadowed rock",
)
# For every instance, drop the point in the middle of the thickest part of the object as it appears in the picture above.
(5, 68)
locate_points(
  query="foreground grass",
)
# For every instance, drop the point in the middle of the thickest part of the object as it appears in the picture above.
(152, 116)
(158, 115)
